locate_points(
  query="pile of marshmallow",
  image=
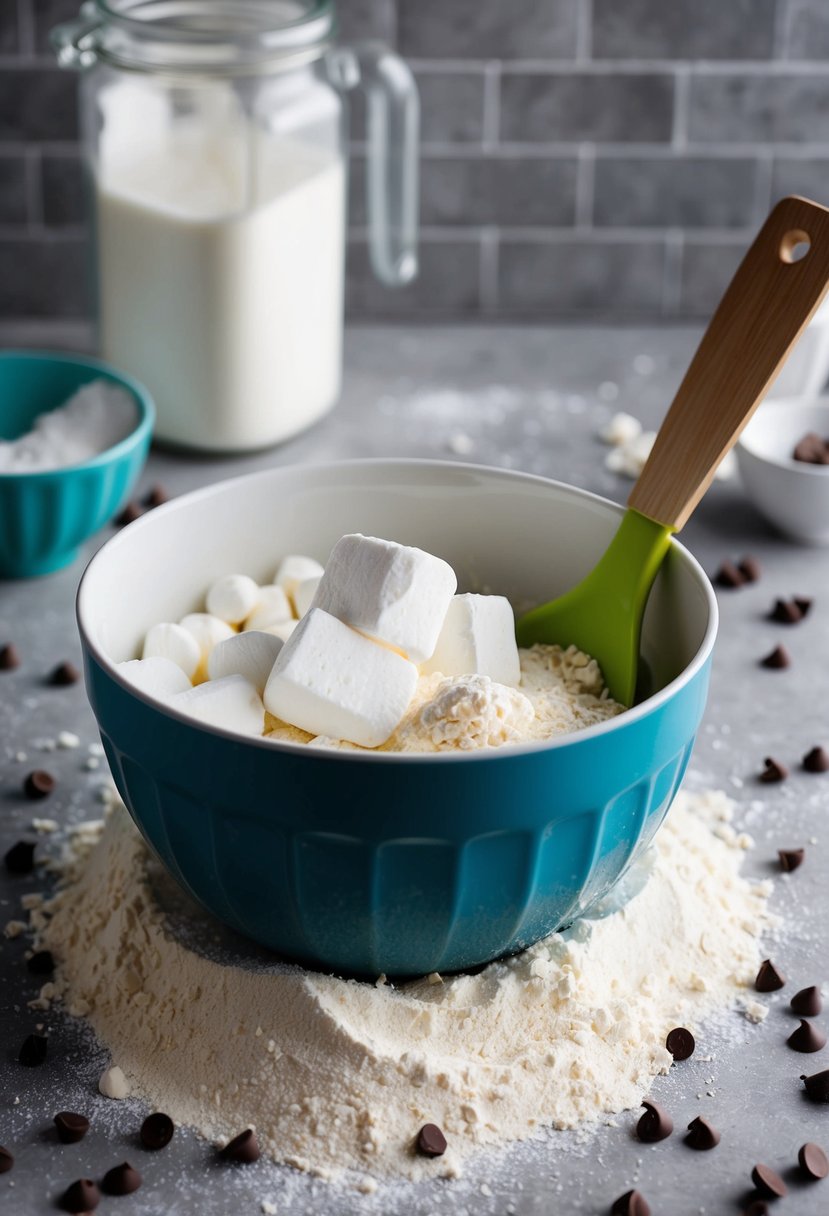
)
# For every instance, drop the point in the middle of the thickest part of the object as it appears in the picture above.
(334, 651)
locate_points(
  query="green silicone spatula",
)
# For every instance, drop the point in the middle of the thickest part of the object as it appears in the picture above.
(776, 289)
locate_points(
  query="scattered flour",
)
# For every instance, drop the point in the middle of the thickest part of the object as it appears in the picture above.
(96, 417)
(337, 1076)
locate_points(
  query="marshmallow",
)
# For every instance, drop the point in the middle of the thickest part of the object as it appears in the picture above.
(250, 654)
(392, 593)
(272, 608)
(330, 680)
(622, 428)
(233, 598)
(293, 570)
(208, 631)
(282, 630)
(477, 638)
(231, 703)
(304, 594)
(158, 677)
(175, 643)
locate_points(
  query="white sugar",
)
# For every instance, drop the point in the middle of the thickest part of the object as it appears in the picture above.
(96, 417)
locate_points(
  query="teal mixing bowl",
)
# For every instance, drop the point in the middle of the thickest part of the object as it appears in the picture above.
(46, 516)
(402, 864)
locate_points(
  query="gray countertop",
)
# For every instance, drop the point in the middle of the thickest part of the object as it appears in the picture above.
(527, 398)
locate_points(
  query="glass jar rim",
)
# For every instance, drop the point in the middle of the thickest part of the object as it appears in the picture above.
(234, 36)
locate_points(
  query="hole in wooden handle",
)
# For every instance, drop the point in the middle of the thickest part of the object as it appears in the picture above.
(794, 246)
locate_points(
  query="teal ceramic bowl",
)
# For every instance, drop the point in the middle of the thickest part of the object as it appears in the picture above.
(402, 864)
(46, 516)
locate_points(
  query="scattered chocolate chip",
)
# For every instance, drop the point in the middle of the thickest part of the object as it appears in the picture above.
(702, 1135)
(38, 784)
(42, 962)
(777, 659)
(430, 1141)
(71, 1127)
(816, 760)
(813, 1161)
(632, 1203)
(655, 1125)
(122, 1180)
(750, 569)
(791, 859)
(768, 978)
(680, 1043)
(817, 1086)
(81, 1196)
(768, 1182)
(243, 1148)
(773, 772)
(807, 1038)
(157, 1131)
(807, 1003)
(131, 512)
(804, 604)
(64, 675)
(33, 1051)
(785, 612)
(758, 1207)
(7, 1160)
(9, 657)
(20, 858)
(729, 576)
(811, 449)
(156, 497)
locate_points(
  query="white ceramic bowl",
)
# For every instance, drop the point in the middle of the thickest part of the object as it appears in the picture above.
(792, 496)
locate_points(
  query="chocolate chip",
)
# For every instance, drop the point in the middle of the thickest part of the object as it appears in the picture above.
(42, 962)
(813, 1161)
(121, 1180)
(791, 859)
(20, 858)
(9, 657)
(773, 772)
(680, 1043)
(6, 1160)
(632, 1203)
(702, 1135)
(430, 1141)
(156, 497)
(768, 1182)
(64, 675)
(817, 1086)
(816, 760)
(758, 1207)
(33, 1050)
(807, 1003)
(243, 1148)
(157, 1131)
(769, 979)
(750, 569)
(38, 784)
(804, 604)
(655, 1125)
(131, 512)
(729, 576)
(71, 1127)
(777, 660)
(81, 1196)
(785, 612)
(811, 449)
(806, 1038)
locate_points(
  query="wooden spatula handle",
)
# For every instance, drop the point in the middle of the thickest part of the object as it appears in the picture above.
(767, 305)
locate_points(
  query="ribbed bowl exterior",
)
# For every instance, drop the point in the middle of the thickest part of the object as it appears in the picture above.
(45, 517)
(426, 866)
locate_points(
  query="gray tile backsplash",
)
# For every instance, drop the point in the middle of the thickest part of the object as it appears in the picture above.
(581, 158)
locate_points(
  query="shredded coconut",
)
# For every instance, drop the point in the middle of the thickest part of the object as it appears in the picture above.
(338, 1076)
(96, 417)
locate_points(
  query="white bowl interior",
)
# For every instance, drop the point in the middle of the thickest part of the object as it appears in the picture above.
(506, 533)
(778, 425)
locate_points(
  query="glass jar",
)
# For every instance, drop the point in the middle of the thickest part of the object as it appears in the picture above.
(214, 135)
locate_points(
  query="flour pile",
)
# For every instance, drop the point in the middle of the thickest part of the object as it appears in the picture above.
(96, 417)
(339, 1076)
